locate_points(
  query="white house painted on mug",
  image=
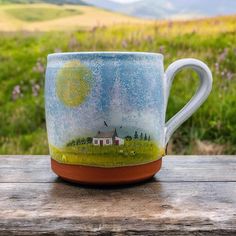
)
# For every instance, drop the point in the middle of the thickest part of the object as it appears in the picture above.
(107, 138)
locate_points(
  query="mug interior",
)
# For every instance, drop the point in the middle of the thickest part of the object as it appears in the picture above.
(103, 54)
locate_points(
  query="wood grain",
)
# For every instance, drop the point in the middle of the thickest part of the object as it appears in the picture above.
(27, 169)
(190, 196)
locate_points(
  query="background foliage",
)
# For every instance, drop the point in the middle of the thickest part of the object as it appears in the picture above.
(212, 129)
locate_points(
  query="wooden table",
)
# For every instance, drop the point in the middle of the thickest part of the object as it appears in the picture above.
(191, 195)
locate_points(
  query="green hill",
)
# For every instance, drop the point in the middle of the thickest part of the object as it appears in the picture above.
(32, 14)
(57, 2)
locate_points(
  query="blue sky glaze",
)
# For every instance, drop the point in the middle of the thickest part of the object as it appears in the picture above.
(127, 91)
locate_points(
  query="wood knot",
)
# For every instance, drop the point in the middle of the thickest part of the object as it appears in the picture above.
(166, 206)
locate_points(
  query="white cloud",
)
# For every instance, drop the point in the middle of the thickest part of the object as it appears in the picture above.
(169, 5)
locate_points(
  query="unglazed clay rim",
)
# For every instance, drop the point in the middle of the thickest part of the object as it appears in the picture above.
(106, 176)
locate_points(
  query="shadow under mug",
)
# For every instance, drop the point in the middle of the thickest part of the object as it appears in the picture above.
(105, 113)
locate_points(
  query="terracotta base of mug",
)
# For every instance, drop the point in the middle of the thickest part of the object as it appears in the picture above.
(106, 176)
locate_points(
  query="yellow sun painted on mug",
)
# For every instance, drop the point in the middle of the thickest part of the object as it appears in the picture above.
(73, 83)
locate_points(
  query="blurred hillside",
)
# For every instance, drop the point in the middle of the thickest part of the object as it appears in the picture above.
(169, 9)
(151, 9)
(51, 17)
(57, 2)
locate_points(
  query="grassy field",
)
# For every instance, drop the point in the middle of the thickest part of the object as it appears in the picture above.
(212, 129)
(47, 17)
(132, 152)
(33, 14)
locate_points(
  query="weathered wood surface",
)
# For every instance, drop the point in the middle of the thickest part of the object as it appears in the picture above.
(191, 195)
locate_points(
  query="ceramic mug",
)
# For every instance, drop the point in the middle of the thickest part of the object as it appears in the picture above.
(105, 113)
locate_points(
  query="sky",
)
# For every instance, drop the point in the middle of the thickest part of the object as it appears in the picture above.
(125, 1)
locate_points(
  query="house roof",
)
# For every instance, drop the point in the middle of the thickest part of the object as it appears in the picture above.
(107, 134)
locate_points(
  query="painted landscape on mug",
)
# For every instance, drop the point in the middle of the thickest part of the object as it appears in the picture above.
(95, 118)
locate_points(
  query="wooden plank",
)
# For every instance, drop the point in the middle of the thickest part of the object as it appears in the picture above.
(157, 208)
(198, 168)
(27, 168)
(175, 169)
(190, 195)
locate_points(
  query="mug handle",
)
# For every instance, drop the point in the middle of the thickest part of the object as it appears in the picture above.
(196, 101)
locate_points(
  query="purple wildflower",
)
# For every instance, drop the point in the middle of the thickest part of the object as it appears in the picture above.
(162, 49)
(229, 75)
(57, 50)
(149, 39)
(124, 44)
(39, 67)
(35, 89)
(16, 92)
(73, 43)
(223, 55)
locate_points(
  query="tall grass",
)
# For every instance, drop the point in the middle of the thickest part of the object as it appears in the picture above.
(23, 62)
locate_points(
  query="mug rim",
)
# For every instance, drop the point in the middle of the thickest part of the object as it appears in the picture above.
(104, 53)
